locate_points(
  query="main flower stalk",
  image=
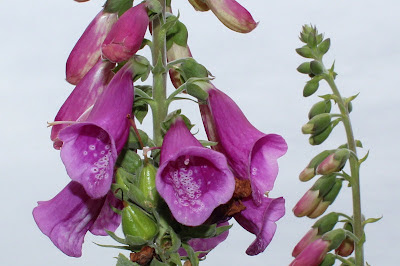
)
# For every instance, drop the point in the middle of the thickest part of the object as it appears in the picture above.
(159, 75)
(355, 177)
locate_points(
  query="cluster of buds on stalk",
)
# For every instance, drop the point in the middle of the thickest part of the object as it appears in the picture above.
(313, 248)
(172, 194)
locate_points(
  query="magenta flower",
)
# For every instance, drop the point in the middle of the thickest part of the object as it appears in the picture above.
(67, 217)
(260, 220)
(232, 15)
(206, 244)
(90, 147)
(251, 154)
(126, 36)
(87, 50)
(80, 102)
(193, 180)
(313, 254)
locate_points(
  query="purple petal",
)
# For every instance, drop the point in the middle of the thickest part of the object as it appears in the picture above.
(206, 244)
(126, 36)
(260, 220)
(80, 102)
(264, 163)
(87, 50)
(90, 148)
(193, 180)
(67, 217)
(251, 154)
(107, 219)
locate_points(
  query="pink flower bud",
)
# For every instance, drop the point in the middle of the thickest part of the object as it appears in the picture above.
(87, 50)
(311, 236)
(307, 203)
(199, 5)
(126, 36)
(232, 15)
(334, 162)
(313, 254)
(177, 52)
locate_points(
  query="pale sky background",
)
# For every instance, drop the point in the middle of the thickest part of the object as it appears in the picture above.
(258, 70)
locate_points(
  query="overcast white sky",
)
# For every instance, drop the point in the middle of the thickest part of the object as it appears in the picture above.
(257, 70)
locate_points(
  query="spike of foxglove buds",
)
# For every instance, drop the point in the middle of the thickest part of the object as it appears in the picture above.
(232, 15)
(334, 162)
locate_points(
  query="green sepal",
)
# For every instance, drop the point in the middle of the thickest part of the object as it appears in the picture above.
(305, 51)
(335, 237)
(135, 241)
(196, 91)
(191, 69)
(324, 184)
(311, 86)
(116, 238)
(350, 262)
(117, 6)
(312, 40)
(222, 229)
(175, 241)
(153, 7)
(141, 103)
(320, 108)
(124, 261)
(191, 254)
(334, 191)
(140, 110)
(202, 231)
(323, 47)
(371, 220)
(346, 146)
(129, 160)
(320, 38)
(156, 262)
(329, 260)
(304, 68)
(141, 67)
(175, 259)
(176, 34)
(316, 67)
(208, 143)
(133, 141)
(326, 223)
(114, 246)
(170, 119)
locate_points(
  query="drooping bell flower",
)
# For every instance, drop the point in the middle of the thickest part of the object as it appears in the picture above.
(260, 221)
(232, 15)
(87, 50)
(192, 180)
(126, 35)
(80, 102)
(206, 244)
(251, 154)
(67, 217)
(90, 148)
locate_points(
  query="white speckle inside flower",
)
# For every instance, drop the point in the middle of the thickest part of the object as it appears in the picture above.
(107, 147)
(254, 171)
(92, 147)
(85, 153)
(187, 161)
(94, 169)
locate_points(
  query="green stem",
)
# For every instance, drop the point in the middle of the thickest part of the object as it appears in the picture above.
(159, 109)
(354, 167)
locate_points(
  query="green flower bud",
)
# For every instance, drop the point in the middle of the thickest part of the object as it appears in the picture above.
(121, 178)
(326, 223)
(136, 222)
(320, 108)
(335, 238)
(316, 67)
(147, 183)
(309, 171)
(329, 260)
(334, 162)
(317, 139)
(324, 46)
(324, 184)
(327, 199)
(317, 124)
(310, 88)
(305, 52)
(312, 40)
(304, 68)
